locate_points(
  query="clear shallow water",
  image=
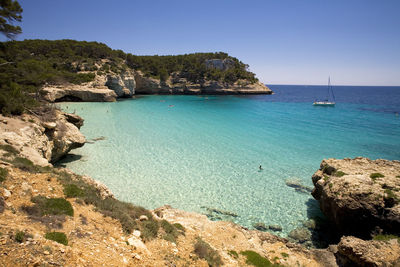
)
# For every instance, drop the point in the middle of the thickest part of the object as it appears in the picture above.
(193, 152)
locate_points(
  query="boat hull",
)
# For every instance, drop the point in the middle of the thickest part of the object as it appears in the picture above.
(324, 104)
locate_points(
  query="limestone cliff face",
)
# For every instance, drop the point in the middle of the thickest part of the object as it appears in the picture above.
(123, 84)
(42, 141)
(177, 85)
(78, 93)
(361, 196)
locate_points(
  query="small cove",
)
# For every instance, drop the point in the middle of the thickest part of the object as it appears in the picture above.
(202, 153)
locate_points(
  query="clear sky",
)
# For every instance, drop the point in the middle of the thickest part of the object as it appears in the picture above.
(356, 42)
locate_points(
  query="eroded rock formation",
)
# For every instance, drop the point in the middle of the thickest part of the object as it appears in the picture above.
(41, 139)
(361, 196)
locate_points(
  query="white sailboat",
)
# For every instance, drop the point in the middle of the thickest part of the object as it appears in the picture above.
(327, 102)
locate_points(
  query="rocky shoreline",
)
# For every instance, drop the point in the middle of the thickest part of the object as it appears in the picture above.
(110, 87)
(344, 188)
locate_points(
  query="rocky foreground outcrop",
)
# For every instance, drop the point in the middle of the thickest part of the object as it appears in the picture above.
(40, 138)
(361, 196)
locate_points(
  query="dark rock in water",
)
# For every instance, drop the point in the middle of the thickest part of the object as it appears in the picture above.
(275, 227)
(310, 224)
(296, 184)
(213, 217)
(91, 141)
(99, 138)
(300, 234)
(220, 212)
(260, 226)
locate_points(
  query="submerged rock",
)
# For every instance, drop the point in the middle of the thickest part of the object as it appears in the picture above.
(296, 184)
(360, 196)
(220, 212)
(300, 234)
(260, 226)
(275, 227)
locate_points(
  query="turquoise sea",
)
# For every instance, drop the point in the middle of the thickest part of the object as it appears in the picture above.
(199, 152)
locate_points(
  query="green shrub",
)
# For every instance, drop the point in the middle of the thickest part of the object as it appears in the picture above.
(284, 254)
(51, 206)
(204, 251)
(398, 176)
(126, 213)
(390, 194)
(10, 149)
(179, 227)
(172, 231)
(255, 259)
(59, 237)
(72, 190)
(19, 237)
(339, 174)
(386, 238)
(24, 164)
(375, 175)
(233, 254)
(149, 229)
(3, 174)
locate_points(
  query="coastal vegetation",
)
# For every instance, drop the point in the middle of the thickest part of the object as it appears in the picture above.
(59, 237)
(255, 259)
(204, 251)
(3, 174)
(26, 66)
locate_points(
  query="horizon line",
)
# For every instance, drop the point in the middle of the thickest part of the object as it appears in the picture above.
(332, 85)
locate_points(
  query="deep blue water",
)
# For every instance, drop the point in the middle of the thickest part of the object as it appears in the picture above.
(194, 152)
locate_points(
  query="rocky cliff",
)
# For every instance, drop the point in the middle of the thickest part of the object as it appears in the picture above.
(41, 138)
(107, 88)
(175, 84)
(361, 196)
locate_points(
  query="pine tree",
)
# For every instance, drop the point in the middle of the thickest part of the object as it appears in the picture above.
(10, 11)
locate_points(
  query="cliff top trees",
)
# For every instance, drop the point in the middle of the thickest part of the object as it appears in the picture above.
(10, 11)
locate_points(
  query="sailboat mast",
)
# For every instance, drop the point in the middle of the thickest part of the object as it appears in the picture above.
(329, 84)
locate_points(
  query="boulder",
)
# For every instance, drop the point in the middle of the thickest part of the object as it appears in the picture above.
(6, 193)
(74, 119)
(137, 244)
(360, 196)
(143, 218)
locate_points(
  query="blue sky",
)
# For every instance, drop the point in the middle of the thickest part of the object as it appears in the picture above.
(285, 42)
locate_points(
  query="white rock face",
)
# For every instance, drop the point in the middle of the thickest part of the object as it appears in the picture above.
(39, 144)
(123, 84)
(79, 93)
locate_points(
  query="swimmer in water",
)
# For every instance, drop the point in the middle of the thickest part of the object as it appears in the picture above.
(260, 168)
